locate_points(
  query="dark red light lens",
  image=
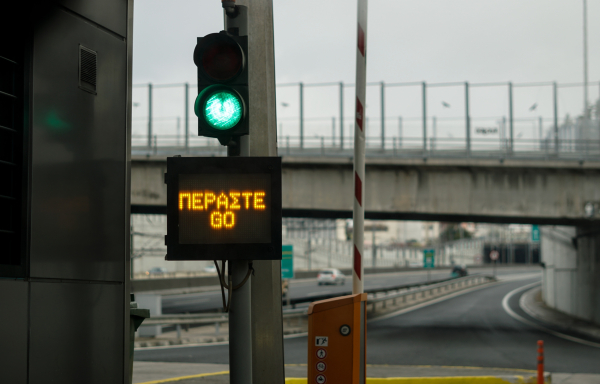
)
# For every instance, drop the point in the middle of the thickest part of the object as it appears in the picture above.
(222, 60)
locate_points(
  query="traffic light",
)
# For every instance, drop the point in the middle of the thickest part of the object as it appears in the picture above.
(222, 101)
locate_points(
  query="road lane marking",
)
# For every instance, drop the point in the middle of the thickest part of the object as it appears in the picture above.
(523, 320)
(185, 377)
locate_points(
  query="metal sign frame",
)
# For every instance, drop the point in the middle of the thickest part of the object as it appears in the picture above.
(218, 166)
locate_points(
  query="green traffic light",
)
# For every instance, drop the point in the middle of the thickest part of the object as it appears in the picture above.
(221, 108)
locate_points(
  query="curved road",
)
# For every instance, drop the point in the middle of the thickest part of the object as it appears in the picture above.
(472, 329)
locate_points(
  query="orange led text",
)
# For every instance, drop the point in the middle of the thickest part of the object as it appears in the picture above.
(222, 205)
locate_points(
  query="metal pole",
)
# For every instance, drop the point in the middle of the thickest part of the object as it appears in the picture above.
(178, 128)
(467, 118)
(149, 115)
(541, 130)
(341, 115)
(187, 117)
(555, 102)
(131, 251)
(333, 131)
(424, 101)
(309, 251)
(256, 340)
(400, 131)
(374, 247)
(240, 326)
(586, 109)
(503, 133)
(433, 131)
(301, 115)
(510, 117)
(382, 115)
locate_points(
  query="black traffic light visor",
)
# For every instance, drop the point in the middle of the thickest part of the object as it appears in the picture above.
(219, 57)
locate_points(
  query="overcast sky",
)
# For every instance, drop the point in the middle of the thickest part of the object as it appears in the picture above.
(425, 40)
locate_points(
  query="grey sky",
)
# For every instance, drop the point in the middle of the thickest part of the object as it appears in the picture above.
(426, 40)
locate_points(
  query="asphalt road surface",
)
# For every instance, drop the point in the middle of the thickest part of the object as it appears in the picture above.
(198, 302)
(472, 329)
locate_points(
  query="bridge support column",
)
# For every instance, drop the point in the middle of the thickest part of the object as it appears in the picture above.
(571, 280)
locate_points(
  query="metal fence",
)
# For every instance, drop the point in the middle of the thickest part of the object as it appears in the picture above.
(411, 120)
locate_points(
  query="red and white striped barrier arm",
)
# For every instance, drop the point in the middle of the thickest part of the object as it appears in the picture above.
(359, 149)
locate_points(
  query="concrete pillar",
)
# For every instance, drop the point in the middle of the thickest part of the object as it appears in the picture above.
(571, 276)
(153, 302)
(587, 277)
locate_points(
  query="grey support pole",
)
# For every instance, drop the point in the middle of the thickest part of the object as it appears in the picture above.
(510, 117)
(540, 130)
(503, 134)
(424, 101)
(333, 131)
(187, 117)
(434, 132)
(467, 118)
(555, 102)
(382, 115)
(374, 261)
(149, 115)
(400, 131)
(240, 310)
(341, 115)
(240, 326)
(586, 110)
(266, 322)
(301, 85)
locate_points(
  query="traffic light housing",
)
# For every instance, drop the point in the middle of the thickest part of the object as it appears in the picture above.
(222, 101)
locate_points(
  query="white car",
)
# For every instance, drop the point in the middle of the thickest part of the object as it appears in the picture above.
(331, 276)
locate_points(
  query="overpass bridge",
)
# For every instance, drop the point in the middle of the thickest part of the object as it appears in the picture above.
(483, 186)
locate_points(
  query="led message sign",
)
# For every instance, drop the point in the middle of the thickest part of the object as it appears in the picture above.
(223, 208)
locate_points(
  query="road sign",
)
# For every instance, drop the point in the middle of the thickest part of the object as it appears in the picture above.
(223, 208)
(287, 261)
(494, 255)
(428, 258)
(535, 233)
(321, 353)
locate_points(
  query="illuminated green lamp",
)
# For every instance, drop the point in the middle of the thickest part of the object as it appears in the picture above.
(221, 107)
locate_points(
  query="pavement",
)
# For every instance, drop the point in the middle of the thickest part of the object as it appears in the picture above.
(531, 302)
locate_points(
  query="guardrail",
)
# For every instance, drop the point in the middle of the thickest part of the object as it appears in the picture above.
(390, 147)
(402, 292)
(447, 284)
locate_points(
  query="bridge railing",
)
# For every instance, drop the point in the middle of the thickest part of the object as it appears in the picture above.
(415, 119)
(168, 145)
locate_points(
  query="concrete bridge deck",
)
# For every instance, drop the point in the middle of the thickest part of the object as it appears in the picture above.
(462, 189)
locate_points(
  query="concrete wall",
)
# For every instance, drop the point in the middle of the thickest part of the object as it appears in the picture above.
(550, 192)
(571, 277)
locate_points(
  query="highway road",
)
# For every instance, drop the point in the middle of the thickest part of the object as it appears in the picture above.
(472, 329)
(198, 302)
